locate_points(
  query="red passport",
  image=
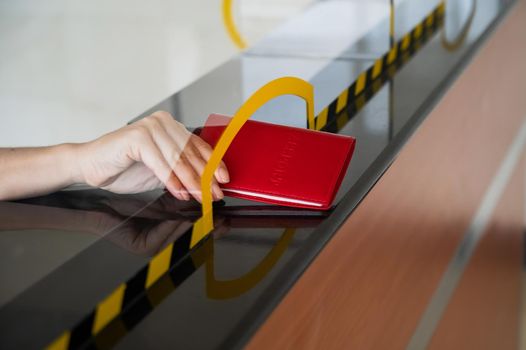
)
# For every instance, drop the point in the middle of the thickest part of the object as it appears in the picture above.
(281, 164)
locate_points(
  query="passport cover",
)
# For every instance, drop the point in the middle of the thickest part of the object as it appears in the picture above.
(282, 165)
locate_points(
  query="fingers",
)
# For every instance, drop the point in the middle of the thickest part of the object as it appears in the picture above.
(194, 158)
(183, 153)
(180, 166)
(190, 154)
(184, 173)
(204, 148)
(145, 150)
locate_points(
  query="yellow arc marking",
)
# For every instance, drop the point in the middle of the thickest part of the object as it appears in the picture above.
(275, 88)
(455, 44)
(230, 25)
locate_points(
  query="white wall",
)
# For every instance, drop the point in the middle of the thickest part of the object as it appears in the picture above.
(71, 70)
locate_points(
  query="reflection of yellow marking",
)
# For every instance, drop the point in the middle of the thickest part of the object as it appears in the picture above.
(108, 309)
(230, 26)
(342, 120)
(377, 69)
(158, 265)
(360, 102)
(405, 57)
(277, 87)
(360, 84)
(110, 335)
(391, 71)
(160, 290)
(377, 85)
(455, 44)
(342, 100)
(202, 254)
(61, 343)
(392, 54)
(233, 288)
(321, 120)
(406, 41)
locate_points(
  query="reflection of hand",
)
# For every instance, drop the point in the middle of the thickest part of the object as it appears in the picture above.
(162, 207)
(147, 237)
(140, 235)
(143, 156)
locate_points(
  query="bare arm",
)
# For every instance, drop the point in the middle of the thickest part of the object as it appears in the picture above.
(153, 153)
(27, 172)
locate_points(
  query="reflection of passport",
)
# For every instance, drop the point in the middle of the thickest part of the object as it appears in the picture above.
(282, 165)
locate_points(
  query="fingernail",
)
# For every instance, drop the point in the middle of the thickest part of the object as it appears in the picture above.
(176, 193)
(185, 195)
(223, 175)
(218, 194)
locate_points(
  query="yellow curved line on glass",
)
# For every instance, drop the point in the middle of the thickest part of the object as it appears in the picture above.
(230, 26)
(277, 87)
(216, 289)
(455, 44)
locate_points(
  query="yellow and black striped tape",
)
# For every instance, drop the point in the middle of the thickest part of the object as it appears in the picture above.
(130, 302)
(351, 100)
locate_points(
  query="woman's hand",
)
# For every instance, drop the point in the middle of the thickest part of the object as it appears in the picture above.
(154, 152)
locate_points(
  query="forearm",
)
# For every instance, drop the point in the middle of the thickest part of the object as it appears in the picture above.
(26, 172)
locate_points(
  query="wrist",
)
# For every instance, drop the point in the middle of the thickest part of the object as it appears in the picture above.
(70, 162)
